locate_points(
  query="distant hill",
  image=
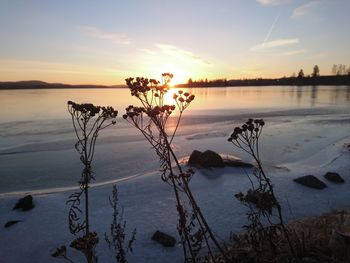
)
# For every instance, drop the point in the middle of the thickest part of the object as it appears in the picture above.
(36, 84)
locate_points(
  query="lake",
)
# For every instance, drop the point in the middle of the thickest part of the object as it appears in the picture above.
(37, 139)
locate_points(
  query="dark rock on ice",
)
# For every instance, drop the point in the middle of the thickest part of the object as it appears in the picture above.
(209, 159)
(25, 203)
(195, 158)
(334, 177)
(310, 181)
(11, 223)
(164, 239)
(233, 161)
(205, 159)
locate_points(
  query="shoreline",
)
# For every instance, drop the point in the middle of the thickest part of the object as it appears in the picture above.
(55, 190)
(342, 80)
(186, 86)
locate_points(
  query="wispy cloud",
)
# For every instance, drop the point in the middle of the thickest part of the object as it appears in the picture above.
(274, 44)
(305, 9)
(294, 52)
(273, 2)
(176, 52)
(114, 37)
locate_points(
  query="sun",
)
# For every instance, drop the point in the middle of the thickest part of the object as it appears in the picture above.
(179, 75)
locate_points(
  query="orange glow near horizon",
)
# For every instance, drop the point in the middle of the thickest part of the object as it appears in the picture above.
(179, 74)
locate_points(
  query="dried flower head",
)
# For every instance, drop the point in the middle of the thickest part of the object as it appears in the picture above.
(151, 94)
(83, 243)
(88, 110)
(250, 130)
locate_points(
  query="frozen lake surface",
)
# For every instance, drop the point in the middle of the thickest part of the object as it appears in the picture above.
(305, 133)
(37, 140)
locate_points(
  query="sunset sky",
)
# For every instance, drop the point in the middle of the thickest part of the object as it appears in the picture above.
(104, 42)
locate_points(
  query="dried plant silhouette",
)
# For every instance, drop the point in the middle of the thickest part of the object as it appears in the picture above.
(151, 119)
(88, 120)
(117, 238)
(265, 217)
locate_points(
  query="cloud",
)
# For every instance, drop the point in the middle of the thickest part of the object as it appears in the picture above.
(114, 37)
(305, 9)
(275, 43)
(179, 53)
(273, 2)
(294, 52)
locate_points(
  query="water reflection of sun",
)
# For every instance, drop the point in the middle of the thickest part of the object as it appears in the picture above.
(169, 99)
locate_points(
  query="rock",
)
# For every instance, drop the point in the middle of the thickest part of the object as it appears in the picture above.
(334, 177)
(211, 159)
(11, 223)
(25, 203)
(205, 159)
(310, 181)
(164, 239)
(195, 157)
(234, 161)
(262, 200)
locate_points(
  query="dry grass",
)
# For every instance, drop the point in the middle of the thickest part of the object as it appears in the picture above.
(320, 239)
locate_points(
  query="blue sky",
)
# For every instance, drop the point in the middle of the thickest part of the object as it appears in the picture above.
(104, 42)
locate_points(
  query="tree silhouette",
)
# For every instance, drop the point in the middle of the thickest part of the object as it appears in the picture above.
(334, 69)
(340, 69)
(316, 71)
(301, 74)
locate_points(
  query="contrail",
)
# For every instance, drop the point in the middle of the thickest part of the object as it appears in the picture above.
(271, 28)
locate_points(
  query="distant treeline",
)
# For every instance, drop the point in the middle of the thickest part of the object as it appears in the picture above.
(285, 81)
(300, 80)
(44, 85)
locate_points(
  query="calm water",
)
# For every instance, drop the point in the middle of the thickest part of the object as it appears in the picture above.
(27, 105)
(36, 143)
